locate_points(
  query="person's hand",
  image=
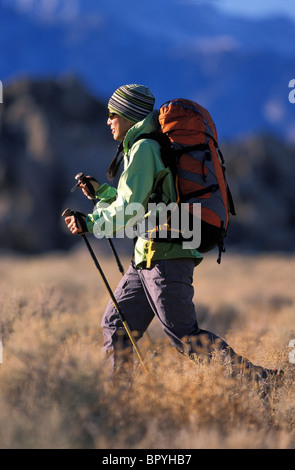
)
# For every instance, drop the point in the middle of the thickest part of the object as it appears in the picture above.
(88, 184)
(76, 222)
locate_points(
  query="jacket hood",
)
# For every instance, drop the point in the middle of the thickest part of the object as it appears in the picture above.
(147, 125)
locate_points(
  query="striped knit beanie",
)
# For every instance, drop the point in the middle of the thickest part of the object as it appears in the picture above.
(132, 102)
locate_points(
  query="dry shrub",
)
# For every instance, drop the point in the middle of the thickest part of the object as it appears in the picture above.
(55, 391)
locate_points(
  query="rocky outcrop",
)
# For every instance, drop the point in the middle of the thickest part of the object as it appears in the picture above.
(49, 131)
(52, 129)
(261, 172)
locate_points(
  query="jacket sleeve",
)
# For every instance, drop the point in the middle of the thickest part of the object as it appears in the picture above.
(121, 208)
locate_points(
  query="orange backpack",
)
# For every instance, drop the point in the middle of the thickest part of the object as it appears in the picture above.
(198, 167)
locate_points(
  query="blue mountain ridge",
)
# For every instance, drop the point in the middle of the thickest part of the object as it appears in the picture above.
(238, 68)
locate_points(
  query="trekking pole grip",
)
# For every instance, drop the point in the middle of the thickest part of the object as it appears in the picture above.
(81, 178)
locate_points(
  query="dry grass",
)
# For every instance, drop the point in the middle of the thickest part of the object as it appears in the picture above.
(54, 391)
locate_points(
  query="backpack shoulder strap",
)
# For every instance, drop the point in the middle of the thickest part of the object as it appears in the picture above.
(167, 155)
(157, 136)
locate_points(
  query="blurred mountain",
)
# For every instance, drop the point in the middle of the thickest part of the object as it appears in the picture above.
(49, 132)
(52, 129)
(261, 173)
(237, 68)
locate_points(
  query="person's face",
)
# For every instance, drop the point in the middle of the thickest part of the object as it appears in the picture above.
(119, 126)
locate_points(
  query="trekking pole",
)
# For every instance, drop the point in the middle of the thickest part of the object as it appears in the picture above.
(69, 212)
(81, 178)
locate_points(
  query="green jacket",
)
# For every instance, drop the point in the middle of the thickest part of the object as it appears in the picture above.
(115, 211)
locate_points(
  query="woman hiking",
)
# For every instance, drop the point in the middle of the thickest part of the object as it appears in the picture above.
(159, 280)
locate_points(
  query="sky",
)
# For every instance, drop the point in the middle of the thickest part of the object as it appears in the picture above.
(248, 8)
(258, 8)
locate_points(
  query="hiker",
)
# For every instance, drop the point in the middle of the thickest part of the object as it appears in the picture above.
(159, 279)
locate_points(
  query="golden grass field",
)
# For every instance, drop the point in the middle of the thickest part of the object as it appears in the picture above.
(54, 390)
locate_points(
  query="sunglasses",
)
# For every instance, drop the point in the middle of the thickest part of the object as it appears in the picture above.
(112, 115)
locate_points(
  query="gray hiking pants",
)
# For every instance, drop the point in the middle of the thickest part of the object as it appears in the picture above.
(166, 291)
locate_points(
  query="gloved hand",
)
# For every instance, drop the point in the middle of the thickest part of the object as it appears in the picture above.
(76, 221)
(88, 184)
